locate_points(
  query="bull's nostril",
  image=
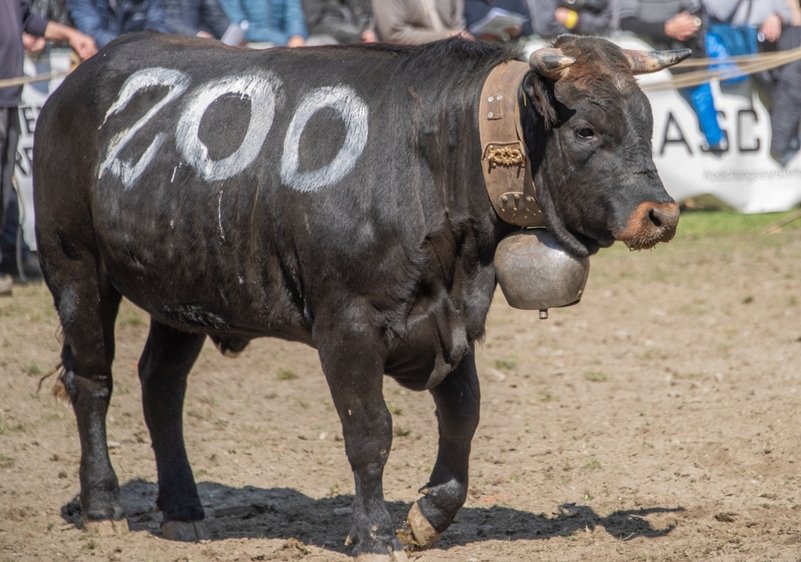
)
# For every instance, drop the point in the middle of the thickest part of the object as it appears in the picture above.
(654, 215)
(664, 216)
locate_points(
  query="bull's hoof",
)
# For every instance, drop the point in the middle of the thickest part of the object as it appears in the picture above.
(184, 531)
(105, 527)
(422, 531)
(393, 556)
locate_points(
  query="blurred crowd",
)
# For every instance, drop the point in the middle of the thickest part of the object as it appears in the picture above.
(718, 29)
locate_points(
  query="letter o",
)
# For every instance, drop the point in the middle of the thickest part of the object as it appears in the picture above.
(353, 112)
(262, 90)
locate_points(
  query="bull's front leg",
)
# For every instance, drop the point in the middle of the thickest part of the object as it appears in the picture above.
(352, 357)
(458, 403)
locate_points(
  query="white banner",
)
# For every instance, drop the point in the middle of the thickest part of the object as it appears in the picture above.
(33, 97)
(744, 176)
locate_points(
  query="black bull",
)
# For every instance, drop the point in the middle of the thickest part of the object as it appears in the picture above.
(331, 196)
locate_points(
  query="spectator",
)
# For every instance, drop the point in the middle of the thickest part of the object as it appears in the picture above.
(419, 21)
(52, 10)
(674, 24)
(582, 17)
(269, 22)
(746, 27)
(765, 16)
(16, 17)
(339, 21)
(201, 18)
(476, 10)
(785, 111)
(105, 20)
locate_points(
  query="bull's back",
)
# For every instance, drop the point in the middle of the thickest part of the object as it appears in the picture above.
(190, 170)
(225, 190)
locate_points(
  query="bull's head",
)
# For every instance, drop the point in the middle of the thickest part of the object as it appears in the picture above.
(589, 126)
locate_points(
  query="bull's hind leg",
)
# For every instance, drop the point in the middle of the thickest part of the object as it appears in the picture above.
(87, 305)
(352, 359)
(163, 368)
(457, 399)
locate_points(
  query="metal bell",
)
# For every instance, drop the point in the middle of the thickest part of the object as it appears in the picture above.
(536, 273)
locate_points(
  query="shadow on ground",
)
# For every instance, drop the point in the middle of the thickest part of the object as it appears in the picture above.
(284, 513)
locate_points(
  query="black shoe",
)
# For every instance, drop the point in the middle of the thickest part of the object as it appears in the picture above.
(30, 269)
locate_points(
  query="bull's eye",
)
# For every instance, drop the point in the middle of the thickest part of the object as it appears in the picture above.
(585, 133)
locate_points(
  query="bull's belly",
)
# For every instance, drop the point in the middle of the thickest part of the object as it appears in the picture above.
(429, 350)
(219, 298)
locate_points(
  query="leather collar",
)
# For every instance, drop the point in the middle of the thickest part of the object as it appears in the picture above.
(504, 156)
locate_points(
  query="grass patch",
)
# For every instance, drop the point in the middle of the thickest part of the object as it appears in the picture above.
(394, 409)
(595, 376)
(400, 431)
(286, 375)
(592, 464)
(506, 363)
(723, 222)
(6, 461)
(32, 370)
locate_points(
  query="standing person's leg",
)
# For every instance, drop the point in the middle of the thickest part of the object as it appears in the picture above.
(703, 104)
(8, 150)
(9, 136)
(785, 115)
(15, 256)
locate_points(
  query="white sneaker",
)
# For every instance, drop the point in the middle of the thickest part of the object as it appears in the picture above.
(6, 282)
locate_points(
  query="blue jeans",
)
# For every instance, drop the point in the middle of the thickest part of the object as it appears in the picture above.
(701, 100)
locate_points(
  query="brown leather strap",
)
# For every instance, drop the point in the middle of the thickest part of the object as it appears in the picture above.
(504, 157)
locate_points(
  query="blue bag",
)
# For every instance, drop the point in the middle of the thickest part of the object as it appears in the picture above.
(724, 41)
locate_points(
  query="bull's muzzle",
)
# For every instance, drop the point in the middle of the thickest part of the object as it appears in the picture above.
(649, 224)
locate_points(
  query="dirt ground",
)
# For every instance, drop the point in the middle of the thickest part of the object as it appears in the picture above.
(657, 420)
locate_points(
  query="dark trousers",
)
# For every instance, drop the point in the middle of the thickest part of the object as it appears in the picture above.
(785, 115)
(9, 218)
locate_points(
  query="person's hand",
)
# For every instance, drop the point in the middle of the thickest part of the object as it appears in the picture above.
(82, 44)
(463, 33)
(771, 28)
(682, 26)
(33, 44)
(566, 17)
(296, 41)
(508, 34)
(369, 36)
(514, 31)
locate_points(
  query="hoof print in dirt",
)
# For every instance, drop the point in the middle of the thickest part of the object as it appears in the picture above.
(185, 531)
(106, 527)
(392, 556)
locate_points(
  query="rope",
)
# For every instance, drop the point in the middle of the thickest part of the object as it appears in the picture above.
(22, 80)
(732, 67)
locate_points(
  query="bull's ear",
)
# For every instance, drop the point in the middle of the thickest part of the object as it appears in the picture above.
(644, 61)
(541, 97)
(550, 62)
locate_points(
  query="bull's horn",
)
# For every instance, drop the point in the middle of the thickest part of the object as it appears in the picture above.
(643, 61)
(550, 62)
